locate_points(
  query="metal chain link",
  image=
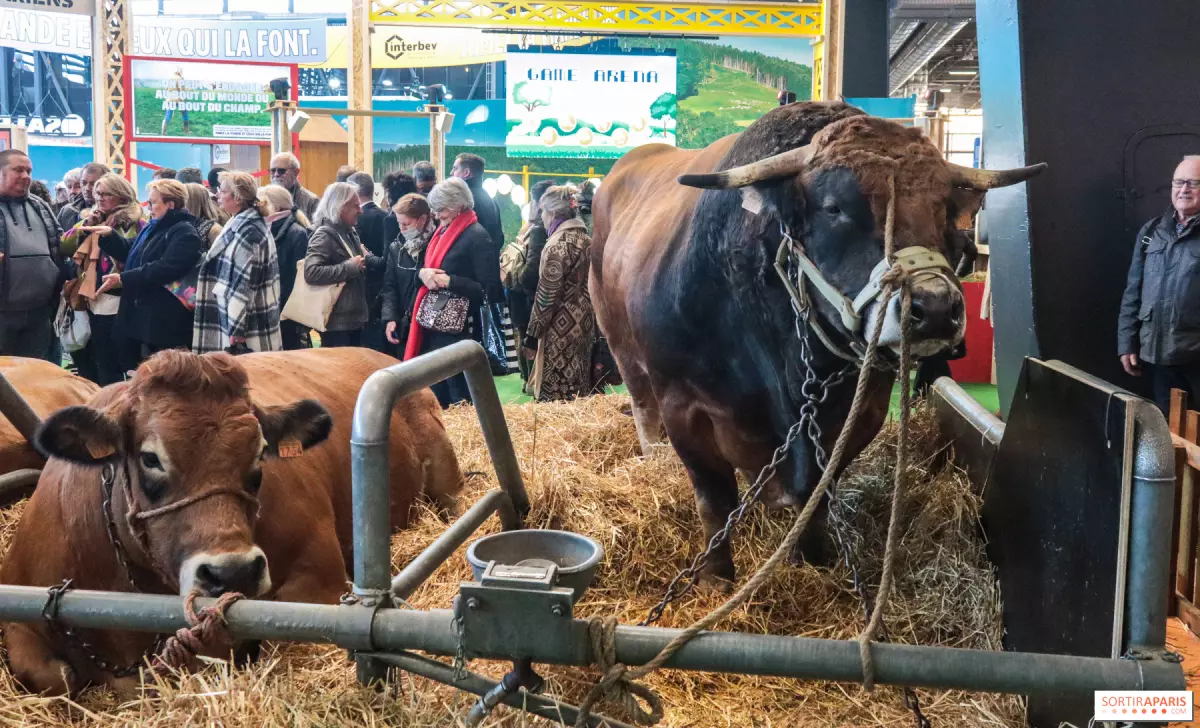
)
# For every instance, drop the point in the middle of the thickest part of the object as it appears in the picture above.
(108, 477)
(50, 615)
(460, 651)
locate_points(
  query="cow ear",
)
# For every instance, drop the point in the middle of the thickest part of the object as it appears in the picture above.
(80, 435)
(964, 205)
(292, 427)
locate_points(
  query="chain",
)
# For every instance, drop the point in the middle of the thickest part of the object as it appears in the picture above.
(108, 477)
(50, 615)
(460, 651)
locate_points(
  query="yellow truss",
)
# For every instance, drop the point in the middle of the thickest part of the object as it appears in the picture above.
(583, 17)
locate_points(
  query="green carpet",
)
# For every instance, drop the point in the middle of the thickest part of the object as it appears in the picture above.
(509, 388)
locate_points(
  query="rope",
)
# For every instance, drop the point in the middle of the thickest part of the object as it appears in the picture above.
(207, 625)
(893, 538)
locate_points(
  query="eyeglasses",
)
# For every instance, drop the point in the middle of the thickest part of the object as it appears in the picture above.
(107, 194)
(279, 170)
(1191, 184)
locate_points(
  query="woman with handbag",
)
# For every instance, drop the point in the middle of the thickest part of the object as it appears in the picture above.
(290, 228)
(336, 257)
(458, 267)
(416, 224)
(159, 279)
(562, 319)
(117, 210)
(237, 291)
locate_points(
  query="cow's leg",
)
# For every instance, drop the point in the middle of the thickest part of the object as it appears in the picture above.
(318, 574)
(716, 497)
(34, 663)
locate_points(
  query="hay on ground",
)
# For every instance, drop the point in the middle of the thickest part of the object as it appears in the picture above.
(584, 472)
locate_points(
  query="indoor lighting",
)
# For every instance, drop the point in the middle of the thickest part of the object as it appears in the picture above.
(947, 90)
(595, 182)
(519, 196)
(387, 82)
(963, 73)
(504, 184)
(525, 212)
(335, 83)
(489, 186)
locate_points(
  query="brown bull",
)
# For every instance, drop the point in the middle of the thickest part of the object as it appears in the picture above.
(227, 475)
(46, 388)
(704, 331)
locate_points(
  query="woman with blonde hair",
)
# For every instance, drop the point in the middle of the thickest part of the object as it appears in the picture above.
(208, 217)
(562, 319)
(116, 212)
(159, 279)
(237, 292)
(290, 228)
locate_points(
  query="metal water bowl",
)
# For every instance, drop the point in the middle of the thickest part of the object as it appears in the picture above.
(575, 555)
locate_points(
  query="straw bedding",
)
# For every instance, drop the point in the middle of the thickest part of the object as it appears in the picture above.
(584, 472)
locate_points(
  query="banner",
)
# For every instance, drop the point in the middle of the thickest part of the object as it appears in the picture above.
(189, 101)
(407, 46)
(75, 7)
(298, 40)
(33, 30)
(588, 105)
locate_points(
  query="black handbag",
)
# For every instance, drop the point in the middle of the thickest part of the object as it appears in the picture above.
(443, 311)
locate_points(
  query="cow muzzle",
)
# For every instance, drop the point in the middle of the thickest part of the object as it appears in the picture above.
(214, 574)
(937, 317)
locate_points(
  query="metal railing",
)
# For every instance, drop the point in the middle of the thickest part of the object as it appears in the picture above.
(382, 636)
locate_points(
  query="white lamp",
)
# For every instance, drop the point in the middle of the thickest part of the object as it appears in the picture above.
(489, 186)
(504, 184)
(519, 196)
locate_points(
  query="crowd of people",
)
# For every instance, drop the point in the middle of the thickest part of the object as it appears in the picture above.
(225, 264)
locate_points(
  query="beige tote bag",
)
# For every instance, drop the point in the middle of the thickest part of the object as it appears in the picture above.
(310, 305)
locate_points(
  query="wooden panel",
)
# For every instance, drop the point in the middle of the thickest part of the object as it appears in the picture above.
(1183, 528)
(1178, 406)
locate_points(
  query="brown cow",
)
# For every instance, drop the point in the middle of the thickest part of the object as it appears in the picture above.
(46, 388)
(230, 491)
(703, 329)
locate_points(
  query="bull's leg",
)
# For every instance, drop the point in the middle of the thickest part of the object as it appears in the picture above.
(715, 485)
(646, 415)
(318, 575)
(34, 663)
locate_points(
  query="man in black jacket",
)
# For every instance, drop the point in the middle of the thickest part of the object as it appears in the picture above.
(469, 168)
(370, 228)
(72, 211)
(1159, 326)
(30, 270)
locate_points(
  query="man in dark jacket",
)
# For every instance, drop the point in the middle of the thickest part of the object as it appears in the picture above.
(469, 168)
(285, 171)
(370, 227)
(72, 211)
(1159, 327)
(30, 270)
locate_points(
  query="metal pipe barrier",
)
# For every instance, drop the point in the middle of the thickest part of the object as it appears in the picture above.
(1151, 512)
(969, 409)
(17, 411)
(393, 630)
(436, 554)
(479, 685)
(369, 456)
(14, 483)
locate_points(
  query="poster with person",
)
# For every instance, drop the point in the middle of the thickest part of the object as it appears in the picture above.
(190, 101)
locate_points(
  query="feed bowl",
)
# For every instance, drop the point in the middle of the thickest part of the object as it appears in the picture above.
(576, 556)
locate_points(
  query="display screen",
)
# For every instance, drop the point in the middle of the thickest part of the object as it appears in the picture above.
(588, 105)
(182, 100)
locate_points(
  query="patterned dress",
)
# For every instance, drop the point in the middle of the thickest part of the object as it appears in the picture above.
(562, 320)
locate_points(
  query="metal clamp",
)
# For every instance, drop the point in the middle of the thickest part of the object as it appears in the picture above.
(356, 631)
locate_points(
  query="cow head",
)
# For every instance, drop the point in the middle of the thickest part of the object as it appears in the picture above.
(186, 445)
(832, 195)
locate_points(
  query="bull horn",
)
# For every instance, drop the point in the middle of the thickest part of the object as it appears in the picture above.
(783, 164)
(984, 179)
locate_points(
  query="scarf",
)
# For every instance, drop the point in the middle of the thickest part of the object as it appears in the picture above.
(417, 244)
(435, 253)
(135, 252)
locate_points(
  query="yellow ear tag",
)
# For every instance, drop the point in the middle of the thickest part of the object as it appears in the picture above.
(99, 451)
(290, 448)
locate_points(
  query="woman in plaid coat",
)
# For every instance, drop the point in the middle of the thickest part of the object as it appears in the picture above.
(237, 292)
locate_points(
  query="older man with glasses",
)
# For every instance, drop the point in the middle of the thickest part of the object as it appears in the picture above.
(1159, 326)
(285, 172)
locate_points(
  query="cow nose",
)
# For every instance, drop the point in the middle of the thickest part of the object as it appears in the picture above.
(936, 316)
(245, 573)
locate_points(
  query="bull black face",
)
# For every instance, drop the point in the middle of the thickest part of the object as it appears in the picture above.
(186, 445)
(843, 235)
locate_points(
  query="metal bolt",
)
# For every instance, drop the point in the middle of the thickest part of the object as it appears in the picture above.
(557, 610)
(472, 604)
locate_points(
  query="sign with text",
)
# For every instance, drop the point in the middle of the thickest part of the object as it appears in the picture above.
(406, 46)
(588, 105)
(190, 100)
(299, 40)
(34, 30)
(74, 7)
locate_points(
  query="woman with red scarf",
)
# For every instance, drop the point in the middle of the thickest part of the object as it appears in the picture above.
(458, 264)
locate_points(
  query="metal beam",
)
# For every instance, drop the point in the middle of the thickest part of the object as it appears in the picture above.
(806, 658)
(583, 16)
(928, 41)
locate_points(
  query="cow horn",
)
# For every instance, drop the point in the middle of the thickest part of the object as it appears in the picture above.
(780, 165)
(984, 179)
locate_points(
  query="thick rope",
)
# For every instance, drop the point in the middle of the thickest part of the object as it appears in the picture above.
(207, 626)
(899, 476)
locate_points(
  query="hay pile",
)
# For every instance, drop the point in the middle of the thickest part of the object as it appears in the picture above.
(582, 467)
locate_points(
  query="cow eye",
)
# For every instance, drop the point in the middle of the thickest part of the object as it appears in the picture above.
(254, 481)
(832, 209)
(150, 461)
